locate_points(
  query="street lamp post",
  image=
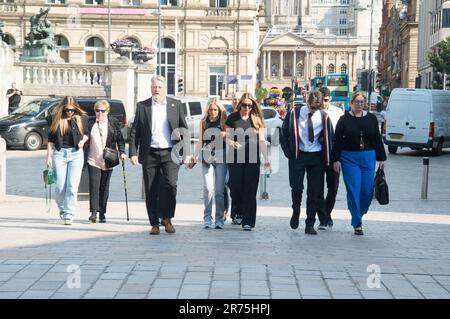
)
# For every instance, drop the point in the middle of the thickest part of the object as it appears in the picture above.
(369, 94)
(159, 37)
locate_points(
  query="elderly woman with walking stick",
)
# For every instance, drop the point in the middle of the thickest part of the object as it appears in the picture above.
(104, 132)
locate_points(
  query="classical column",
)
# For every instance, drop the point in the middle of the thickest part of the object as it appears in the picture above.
(294, 67)
(308, 65)
(352, 67)
(269, 65)
(263, 69)
(281, 64)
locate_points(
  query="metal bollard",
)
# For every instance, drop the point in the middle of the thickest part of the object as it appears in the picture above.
(426, 163)
(2, 168)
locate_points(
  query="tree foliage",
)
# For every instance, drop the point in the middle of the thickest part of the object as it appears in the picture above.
(440, 61)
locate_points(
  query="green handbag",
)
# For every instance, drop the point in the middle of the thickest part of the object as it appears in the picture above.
(49, 176)
(49, 179)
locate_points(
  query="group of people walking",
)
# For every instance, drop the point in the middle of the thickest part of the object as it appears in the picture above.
(318, 139)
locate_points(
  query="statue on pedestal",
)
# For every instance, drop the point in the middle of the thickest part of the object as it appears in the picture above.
(40, 45)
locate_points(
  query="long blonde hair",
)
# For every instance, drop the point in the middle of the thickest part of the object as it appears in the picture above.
(222, 113)
(60, 120)
(256, 116)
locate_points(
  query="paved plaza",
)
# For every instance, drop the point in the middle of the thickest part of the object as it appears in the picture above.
(403, 254)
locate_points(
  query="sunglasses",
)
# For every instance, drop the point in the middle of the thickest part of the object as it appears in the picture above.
(247, 105)
(326, 99)
(69, 110)
(359, 101)
(100, 110)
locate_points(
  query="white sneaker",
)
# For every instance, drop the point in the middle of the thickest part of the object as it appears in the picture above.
(67, 221)
(247, 227)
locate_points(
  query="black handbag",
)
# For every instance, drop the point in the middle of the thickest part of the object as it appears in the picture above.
(381, 188)
(111, 156)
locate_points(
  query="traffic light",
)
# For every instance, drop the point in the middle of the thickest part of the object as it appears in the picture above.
(180, 85)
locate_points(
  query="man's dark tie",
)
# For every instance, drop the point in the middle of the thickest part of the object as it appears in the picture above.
(310, 128)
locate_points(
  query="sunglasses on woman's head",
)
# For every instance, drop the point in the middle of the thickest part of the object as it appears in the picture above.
(100, 110)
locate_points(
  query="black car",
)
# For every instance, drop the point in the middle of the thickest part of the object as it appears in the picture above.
(27, 126)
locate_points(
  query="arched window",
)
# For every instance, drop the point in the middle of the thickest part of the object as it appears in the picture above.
(94, 50)
(167, 63)
(331, 68)
(300, 69)
(344, 68)
(318, 69)
(62, 47)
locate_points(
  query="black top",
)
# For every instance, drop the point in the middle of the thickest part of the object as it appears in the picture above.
(14, 100)
(209, 152)
(358, 134)
(246, 135)
(67, 138)
(57, 139)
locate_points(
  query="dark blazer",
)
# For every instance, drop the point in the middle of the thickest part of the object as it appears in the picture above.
(56, 138)
(141, 131)
(114, 139)
(290, 137)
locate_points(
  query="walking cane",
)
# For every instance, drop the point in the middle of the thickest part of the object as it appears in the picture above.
(125, 187)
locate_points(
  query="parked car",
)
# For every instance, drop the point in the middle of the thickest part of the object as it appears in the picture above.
(27, 126)
(273, 125)
(418, 118)
(193, 107)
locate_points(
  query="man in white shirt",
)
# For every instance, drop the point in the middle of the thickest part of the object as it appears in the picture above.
(305, 142)
(332, 178)
(151, 143)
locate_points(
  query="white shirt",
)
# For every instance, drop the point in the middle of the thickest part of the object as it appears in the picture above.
(160, 126)
(334, 113)
(305, 144)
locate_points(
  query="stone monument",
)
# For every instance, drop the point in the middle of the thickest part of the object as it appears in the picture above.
(40, 45)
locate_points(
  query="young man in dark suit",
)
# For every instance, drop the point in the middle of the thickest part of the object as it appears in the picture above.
(158, 128)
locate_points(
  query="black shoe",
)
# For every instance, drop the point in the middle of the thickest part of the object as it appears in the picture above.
(294, 220)
(310, 230)
(359, 230)
(93, 217)
(330, 224)
(102, 218)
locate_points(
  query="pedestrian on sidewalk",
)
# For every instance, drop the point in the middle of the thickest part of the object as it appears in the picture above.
(103, 132)
(14, 95)
(159, 125)
(306, 141)
(210, 150)
(67, 135)
(331, 177)
(357, 147)
(245, 136)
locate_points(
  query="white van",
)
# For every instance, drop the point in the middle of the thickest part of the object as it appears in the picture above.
(194, 107)
(418, 118)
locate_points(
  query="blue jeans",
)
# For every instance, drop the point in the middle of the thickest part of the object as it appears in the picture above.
(358, 171)
(68, 165)
(214, 184)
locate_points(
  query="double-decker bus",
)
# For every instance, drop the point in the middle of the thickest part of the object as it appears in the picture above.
(339, 86)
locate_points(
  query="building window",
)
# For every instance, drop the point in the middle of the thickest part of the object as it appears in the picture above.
(343, 11)
(218, 3)
(131, 3)
(300, 69)
(342, 31)
(167, 63)
(94, 2)
(344, 68)
(446, 18)
(54, 1)
(7, 1)
(172, 3)
(331, 68)
(62, 47)
(342, 21)
(94, 51)
(318, 69)
(216, 76)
